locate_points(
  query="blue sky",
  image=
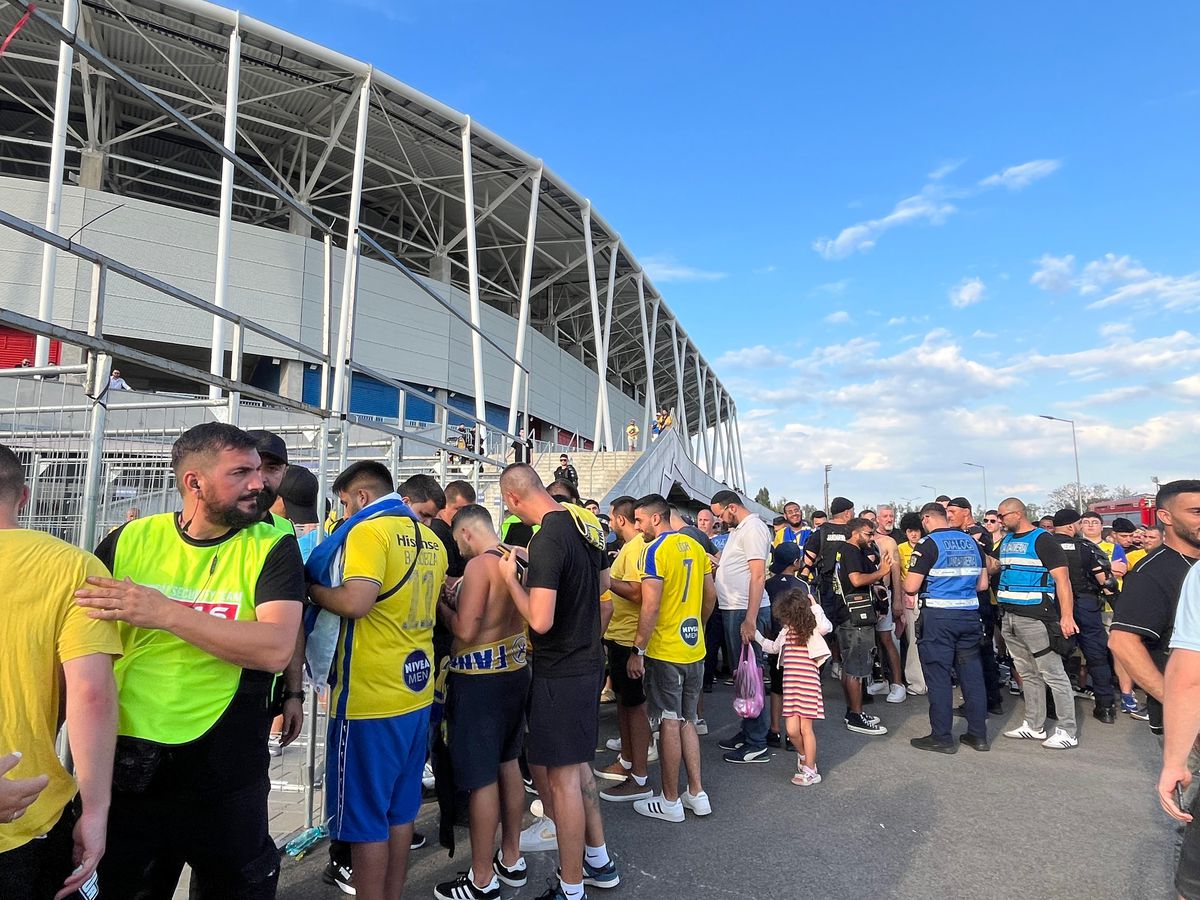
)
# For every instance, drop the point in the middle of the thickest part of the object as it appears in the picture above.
(898, 232)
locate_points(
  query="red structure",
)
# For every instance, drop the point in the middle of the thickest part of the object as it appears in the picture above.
(18, 345)
(1139, 509)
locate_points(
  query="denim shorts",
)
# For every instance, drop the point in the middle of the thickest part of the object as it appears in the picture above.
(856, 642)
(673, 690)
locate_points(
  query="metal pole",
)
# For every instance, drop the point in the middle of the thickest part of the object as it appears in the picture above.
(54, 185)
(473, 284)
(327, 320)
(702, 432)
(523, 312)
(680, 400)
(595, 298)
(1078, 483)
(983, 471)
(310, 752)
(99, 369)
(235, 370)
(225, 216)
(648, 348)
(608, 315)
(341, 375)
(827, 468)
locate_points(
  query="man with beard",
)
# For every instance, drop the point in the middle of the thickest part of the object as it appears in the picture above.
(793, 530)
(200, 649)
(853, 576)
(960, 516)
(274, 455)
(820, 562)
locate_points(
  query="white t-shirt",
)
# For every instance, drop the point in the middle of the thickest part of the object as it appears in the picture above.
(1186, 635)
(749, 540)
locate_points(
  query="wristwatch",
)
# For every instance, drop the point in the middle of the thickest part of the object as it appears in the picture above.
(293, 695)
(638, 651)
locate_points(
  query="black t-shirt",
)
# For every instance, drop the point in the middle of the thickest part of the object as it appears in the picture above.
(566, 473)
(850, 559)
(455, 564)
(560, 559)
(700, 538)
(824, 544)
(1146, 607)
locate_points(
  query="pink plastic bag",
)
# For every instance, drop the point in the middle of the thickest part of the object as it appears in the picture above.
(748, 686)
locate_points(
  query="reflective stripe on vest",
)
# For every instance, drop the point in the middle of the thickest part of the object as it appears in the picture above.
(952, 582)
(172, 692)
(1024, 581)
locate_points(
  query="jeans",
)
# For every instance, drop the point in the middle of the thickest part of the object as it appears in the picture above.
(714, 638)
(1039, 668)
(754, 731)
(950, 639)
(1093, 641)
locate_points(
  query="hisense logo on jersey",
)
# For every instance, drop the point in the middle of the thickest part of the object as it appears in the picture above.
(416, 671)
(689, 630)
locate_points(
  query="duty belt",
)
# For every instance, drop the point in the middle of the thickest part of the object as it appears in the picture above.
(508, 654)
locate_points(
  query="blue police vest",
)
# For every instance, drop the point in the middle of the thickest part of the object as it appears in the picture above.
(952, 582)
(1024, 581)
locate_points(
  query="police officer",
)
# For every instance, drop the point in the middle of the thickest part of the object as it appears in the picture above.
(1088, 575)
(947, 572)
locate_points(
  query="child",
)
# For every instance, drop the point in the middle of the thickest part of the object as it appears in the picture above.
(802, 650)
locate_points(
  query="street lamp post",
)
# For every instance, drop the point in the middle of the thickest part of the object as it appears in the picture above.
(827, 470)
(983, 470)
(1075, 447)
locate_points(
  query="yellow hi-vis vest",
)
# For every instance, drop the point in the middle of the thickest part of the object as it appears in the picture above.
(172, 692)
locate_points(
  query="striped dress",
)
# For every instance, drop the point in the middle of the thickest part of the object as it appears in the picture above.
(801, 683)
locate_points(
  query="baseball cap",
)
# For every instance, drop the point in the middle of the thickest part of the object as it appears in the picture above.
(299, 490)
(779, 520)
(839, 505)
(1066, 516)
(269, 444)
(786, 554)
(1123, 526)
(961, 503)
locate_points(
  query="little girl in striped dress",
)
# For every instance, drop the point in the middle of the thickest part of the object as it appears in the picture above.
(802, 650)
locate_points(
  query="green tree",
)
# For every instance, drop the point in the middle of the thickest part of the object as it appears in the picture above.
(763, 497)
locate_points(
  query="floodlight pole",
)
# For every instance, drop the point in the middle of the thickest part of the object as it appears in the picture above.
(983, 471)
(54, 184)
(1075, 449)
(225, 217)
(828, 468)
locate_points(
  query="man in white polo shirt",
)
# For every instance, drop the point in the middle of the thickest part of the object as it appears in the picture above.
(744, 606)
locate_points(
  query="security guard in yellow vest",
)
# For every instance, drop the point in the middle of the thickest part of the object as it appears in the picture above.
(208, 603)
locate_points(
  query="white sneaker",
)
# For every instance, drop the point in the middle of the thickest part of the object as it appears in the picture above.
(835, 669)
(652, 755)
(427, 779)
(541, 835)
(917, 692)
(897, 694)
(1060, 740)
(536, 810)
(613, 744)
(697, 803)
(1026, 732)
(875, 688)
(659, 808)
(701, 728)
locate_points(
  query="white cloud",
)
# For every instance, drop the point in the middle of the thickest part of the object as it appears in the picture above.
(945, 169)
(1054, 273)
(979, 333)
(1016, 178)
(897, 320)
(756, 357)
(664, 269)
(765, 270)
(832, 287)
(1100, 273)
(967, 292)
(1126, 281)
(927, 206)
(841, 317)
(1116, 329)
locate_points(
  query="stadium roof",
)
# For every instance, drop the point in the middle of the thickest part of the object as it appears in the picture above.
(296, 123)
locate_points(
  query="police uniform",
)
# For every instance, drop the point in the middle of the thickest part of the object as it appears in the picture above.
(1084, 562)
(949, 630)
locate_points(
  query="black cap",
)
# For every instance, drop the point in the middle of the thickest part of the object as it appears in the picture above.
(839, 505)
(961, 503)
(779, 520)
(1123, 526)
(786, 554)
(299, 490)
(269, 444)
(1066, 516)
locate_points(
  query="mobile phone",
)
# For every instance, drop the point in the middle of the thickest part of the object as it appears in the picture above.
(1179, 795)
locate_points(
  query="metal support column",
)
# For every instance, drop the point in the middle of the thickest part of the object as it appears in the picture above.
(603, 414)
(98, 374)
(737, 434)
(225, 215)
(473, 284)
(649, 338)
(702, 427)
(680, 401)
(54, 180)
(595, 299)
(345, 339)
(523, 313)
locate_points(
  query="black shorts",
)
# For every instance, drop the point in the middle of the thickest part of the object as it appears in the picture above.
(830, 601)
(564, 719)
(39, 868)
(486, 714)
(1187, 876)
(629, 691)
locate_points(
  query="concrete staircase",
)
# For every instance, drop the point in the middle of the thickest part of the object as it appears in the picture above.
(598, 472)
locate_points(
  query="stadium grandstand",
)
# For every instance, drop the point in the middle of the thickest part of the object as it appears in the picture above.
(178, 177)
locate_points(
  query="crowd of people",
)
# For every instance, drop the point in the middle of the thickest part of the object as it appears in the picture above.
(477, 656)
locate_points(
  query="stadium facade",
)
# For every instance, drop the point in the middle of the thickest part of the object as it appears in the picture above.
(337, 216)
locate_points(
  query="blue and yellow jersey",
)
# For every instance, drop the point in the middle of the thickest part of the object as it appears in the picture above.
(384, 661)
(792, 535)
(680, 563)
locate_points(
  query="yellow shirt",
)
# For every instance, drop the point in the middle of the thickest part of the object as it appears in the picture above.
(383, 666)
(41, 628)
(906, 552)
(1134, 557)
(622, 628)
(681, 564)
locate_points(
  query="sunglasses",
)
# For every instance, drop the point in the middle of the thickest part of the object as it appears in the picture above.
(991, 521)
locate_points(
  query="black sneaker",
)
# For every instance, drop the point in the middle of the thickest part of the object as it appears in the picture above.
(737, 742)
(462, 888)
(554, 891)
(861, 724)
(773, 739)
(929, 742)
(514, 877)
(418, 841)
(748, 754)
(339, 876)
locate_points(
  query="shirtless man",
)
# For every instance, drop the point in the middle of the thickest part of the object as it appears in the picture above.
(485, 707)
(889, 628)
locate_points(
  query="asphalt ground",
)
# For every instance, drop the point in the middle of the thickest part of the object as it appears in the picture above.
(887, 820)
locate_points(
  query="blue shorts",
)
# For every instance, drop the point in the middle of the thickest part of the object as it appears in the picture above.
(373, 777)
